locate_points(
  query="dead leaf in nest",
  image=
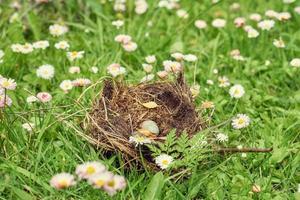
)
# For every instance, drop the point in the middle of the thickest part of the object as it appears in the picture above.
(150, 104)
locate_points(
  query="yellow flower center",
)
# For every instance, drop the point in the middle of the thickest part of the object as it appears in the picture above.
(90, 170)
(241, 121)
(165, 162)
(5, 83)
(99, 183)
(111, 183)
(74, 53)
(63, 183)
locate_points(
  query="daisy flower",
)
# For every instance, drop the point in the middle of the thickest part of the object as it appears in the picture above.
(271, 13)
(141, 6)
(255, 17)
(64, 45)
(139, 140)
(190, 58)
(162, 74)
(45, 72)
(130, 46)
(123, 38)
(182, 14)
(81, 82)
(31, 99)
(240, 121)
(219, 23)
(252, 33)
(66, 85)
(295, 62)
(237, 91)
(279, 43)
(221, 137)
(42, 44)
(178, 56)
(147, 68)
(297, 10)
(209, 82)
(58, 30)
(150, 59)
(147, 78)
(223, 81)
(239, 21)
(115, 184)
(283, 16)
(200, 24)
(75, 55)
(207, 104)
(26, 48)
(89, 169)
(8, 84)
(74, 70)
(118, 23)
(116, 69)
(62, 181)
(16, 48)
(172, 66)
(163, 161)
(266, 24)
(195, 90)
(44, 97)
(99, 180)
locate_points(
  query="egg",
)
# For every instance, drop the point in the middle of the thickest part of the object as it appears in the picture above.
(150, 126)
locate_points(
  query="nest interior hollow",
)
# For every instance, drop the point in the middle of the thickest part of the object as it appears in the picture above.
(119, 112)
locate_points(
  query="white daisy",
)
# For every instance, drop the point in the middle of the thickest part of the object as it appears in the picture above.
(163, 161)
(139, 140)
(237, 91)
(89, 169)
(45, 72)
(62, 181)
(240, 121)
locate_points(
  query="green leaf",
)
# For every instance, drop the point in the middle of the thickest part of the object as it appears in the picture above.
(22, 195)
(279, 154)
(34, 23)
(155, 187)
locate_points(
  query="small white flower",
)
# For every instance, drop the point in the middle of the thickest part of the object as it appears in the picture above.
(279, 43)
(44, 97)
(195, 90)
(8, 84)
(178, 56)
(162, 74)
(31, 99)
(123, 39)
(239, 21)
(147, 68)
(81, 82)
(58, 30)
(297, 10)
(240, 121)
(283, 16)
(28, 126)
(221, 137)
(219, 23)
(130, 46)
(45, 72)
(237, 91)
(190, 58)
(172, 66)
(43, 44)
(89, 169)
(150, 59)
(26, 48)
(266, 24)
(252, 33)
(141, 6)
(64, 45)
(75, 55)
(147, 78)
(116, 69)
(118, 23)
(182, 14)
(215, 71)
(223, 81)
(295, 62)
(271, 13)
(66, 85)
(163, 161)
(74, 70)
(115, 184)
(139, 140)
(62, 181)
(200, 24)
(255, 17)
(99, 180)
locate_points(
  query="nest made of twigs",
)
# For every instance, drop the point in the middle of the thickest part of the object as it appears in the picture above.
(119, 112)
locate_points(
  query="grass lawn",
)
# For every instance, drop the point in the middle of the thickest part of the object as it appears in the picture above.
(46, 137)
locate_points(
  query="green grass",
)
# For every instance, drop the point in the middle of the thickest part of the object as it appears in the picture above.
(272, 99)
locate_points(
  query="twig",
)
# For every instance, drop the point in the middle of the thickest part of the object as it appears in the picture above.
(242, 150)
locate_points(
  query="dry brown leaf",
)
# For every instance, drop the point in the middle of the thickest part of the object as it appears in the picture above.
(150, 104)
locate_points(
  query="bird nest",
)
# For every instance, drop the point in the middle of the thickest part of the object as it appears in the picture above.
(120, 110)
